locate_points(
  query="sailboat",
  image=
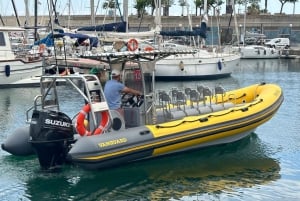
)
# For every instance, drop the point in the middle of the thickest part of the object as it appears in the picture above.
(19, 66)
(203, 64)
(256, 51)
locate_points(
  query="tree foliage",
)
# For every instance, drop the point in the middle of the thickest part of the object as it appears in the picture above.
(283, 2)
(109, 4)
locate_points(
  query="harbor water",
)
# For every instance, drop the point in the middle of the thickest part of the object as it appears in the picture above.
(264, 166)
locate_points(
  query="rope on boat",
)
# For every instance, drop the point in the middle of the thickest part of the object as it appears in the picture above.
(205, 119)
(230, 99)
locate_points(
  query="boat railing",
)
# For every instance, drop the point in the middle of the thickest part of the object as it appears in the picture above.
(34, 107)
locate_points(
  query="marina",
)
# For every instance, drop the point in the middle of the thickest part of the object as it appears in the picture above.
(150, 107)
(254, 168)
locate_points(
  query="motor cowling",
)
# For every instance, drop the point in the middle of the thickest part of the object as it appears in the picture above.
(51, 134)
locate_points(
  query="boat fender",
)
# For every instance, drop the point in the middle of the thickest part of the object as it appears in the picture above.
(42, 48)
(149, 48)
(132, 44)
(181, 65)
(219, 65)
(80, 122)
(118, 122)
(7, 70)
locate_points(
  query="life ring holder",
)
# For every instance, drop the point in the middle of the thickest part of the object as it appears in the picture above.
(80, 122)
(132, 44)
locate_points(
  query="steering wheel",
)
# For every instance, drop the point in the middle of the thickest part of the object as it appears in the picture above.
(131, 100)
(128, 100)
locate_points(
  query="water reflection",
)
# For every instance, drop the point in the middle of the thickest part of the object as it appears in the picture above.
(212, 170)
(247, 169)
(4, 108)
(13, 105)
(293, 65)
(266, 65)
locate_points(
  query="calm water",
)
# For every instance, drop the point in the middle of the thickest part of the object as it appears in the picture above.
(264, 166)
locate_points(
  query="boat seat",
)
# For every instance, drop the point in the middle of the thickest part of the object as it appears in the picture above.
(173, 94)
(204, 109)
(196, 99)
(178, 114)
(192, 111)
(217, 107)
(187, 92)
(178, 111)
(192, 108)
(180, 102)
(163, 113)
(200, 90)
(228, 105)
(220, 93)
(207, 94)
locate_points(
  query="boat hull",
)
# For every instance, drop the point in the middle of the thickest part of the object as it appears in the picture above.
(200, 65)
(193, 132)
(259, 52)
(16, 73)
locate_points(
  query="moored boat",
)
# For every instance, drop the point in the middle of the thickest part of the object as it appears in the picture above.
(259, 52)
(155, 124)
(17, 69)
(203, 64)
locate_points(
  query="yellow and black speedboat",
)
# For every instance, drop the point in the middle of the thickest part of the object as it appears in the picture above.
(160, 122)
(247, 108)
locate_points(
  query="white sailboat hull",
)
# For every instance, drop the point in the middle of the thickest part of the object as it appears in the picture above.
(202, 65)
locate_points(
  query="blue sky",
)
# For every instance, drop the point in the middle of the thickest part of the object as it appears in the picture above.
(83, 7)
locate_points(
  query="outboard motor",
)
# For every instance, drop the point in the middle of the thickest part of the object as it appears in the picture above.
(51, 134)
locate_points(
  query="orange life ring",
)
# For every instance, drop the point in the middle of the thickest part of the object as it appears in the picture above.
(42, 48)
(80, 122)
(132, 44)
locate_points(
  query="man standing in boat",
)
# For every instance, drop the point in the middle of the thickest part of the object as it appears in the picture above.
(113, 89)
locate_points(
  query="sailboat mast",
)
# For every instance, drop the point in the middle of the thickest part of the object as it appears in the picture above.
(26, 13)
(244, 31)
(35, 20)
(16, 13)
(69, 13)
(204, 19)
(92, 12)
(125, 13)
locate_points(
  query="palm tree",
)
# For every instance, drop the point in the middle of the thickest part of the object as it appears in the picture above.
(166, 4)
(140, 6)
(182, 3)
(254, 7)
(214, 4)
(284, 2)
(266, 6)
(109, 4)
(198, 4)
